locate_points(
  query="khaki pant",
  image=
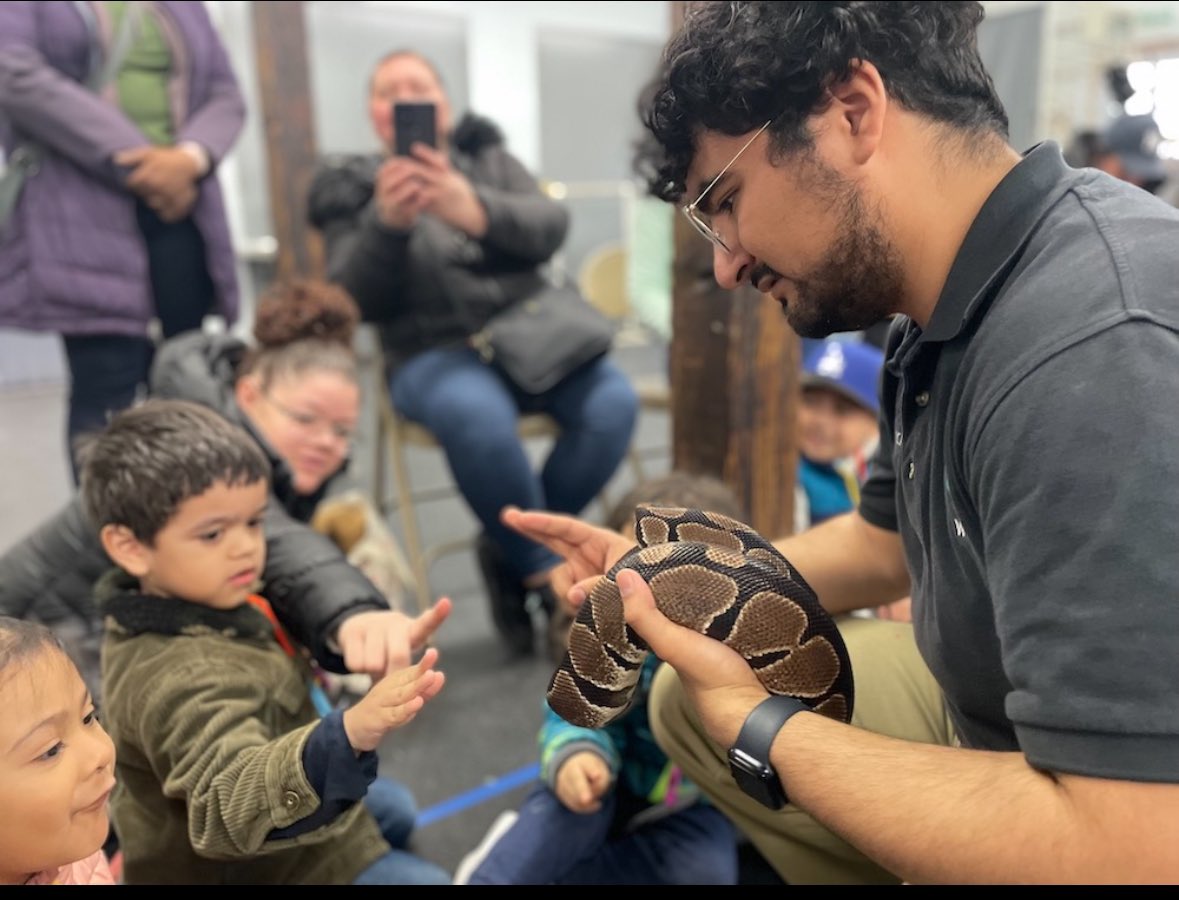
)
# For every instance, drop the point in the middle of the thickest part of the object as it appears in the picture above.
(895, 695)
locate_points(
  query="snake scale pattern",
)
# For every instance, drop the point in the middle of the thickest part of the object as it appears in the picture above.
(718, 576)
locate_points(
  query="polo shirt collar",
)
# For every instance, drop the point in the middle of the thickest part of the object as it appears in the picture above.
(997, 235)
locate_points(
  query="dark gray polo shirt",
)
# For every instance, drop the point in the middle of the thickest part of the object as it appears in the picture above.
(1030, 462)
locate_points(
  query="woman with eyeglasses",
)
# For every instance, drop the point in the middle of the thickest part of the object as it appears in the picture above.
(296, 390)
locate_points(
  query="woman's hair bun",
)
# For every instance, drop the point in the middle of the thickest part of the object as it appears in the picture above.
(305, 309)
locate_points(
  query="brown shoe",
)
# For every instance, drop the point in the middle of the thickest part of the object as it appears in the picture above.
(557, 633)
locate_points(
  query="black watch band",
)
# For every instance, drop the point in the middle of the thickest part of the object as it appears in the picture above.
(749, 757)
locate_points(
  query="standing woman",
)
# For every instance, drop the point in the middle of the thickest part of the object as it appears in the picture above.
(113, 117)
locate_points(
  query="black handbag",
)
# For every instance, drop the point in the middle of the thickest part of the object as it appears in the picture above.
(537, 342)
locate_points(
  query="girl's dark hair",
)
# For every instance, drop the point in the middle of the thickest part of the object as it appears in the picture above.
(676, 488)
(21, 640)
(154, 456)
(733, 66)
(303, 325)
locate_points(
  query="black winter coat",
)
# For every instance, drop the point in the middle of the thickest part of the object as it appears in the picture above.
(434, 285)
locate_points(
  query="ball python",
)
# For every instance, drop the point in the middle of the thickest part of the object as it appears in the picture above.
(719, 577)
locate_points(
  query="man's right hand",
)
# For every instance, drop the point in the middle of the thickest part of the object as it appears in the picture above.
(400, 193)
(588, 550)
(392, 702)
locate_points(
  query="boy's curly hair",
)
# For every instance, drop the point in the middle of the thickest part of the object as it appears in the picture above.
(154, 456)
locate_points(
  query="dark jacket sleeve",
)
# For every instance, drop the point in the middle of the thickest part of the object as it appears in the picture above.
(521, 220)
(363, 256)
(51, 573)
(311, 586)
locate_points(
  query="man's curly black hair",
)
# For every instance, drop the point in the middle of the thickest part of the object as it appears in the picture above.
(734, 65)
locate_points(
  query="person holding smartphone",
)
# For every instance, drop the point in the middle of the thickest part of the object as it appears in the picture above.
(432, 237)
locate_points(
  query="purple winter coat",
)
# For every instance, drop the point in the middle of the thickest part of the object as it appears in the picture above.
(72, 259)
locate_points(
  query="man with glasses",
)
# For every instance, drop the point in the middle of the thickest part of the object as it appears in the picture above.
(850, 160)
(701, 220)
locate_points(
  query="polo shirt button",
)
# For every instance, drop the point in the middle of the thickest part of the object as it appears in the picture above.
(899, 439)
(923, 398)
(290, 799)
(912, 470)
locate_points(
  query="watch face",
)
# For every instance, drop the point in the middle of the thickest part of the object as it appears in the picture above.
(756, 779)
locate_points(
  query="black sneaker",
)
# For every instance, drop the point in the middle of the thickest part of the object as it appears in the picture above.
(558, 622)
(508, 598)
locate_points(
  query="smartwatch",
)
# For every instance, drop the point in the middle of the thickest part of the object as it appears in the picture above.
(749, 757)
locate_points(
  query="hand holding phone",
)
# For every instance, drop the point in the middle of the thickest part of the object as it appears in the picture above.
(414, 123)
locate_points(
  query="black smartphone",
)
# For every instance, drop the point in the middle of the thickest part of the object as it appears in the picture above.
(413, 123)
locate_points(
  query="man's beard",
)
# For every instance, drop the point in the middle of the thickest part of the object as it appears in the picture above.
(857, 284)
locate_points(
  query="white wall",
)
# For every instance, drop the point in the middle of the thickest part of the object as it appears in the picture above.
(1080, 40)
(502, 70)
(502, 62)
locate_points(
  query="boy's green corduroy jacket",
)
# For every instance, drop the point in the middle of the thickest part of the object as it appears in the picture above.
(209, 717)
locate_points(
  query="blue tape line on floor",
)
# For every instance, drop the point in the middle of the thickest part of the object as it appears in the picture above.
(481, 794)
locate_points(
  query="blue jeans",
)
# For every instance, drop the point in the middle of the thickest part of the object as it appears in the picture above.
(394, 808)
(549, 844)
(472, 410)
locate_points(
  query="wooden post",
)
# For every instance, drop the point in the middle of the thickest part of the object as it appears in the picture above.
(280, 45)
(734, 367)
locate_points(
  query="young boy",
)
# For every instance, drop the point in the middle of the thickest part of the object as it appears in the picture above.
(226, 772)
(611, 808)
(837, 435)
(837, 430)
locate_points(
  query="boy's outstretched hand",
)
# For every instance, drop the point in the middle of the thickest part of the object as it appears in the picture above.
(392, 702)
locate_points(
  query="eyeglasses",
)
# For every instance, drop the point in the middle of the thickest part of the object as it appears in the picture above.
(312, 422)
(699, 220)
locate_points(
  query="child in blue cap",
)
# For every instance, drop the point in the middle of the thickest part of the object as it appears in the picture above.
(837, 430)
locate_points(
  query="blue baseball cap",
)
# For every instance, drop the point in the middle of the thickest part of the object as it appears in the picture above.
(1135, 140)
(850, 368)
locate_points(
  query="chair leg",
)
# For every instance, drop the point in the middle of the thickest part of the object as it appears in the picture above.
(380, 489)
(636, 463)
(409, 520)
